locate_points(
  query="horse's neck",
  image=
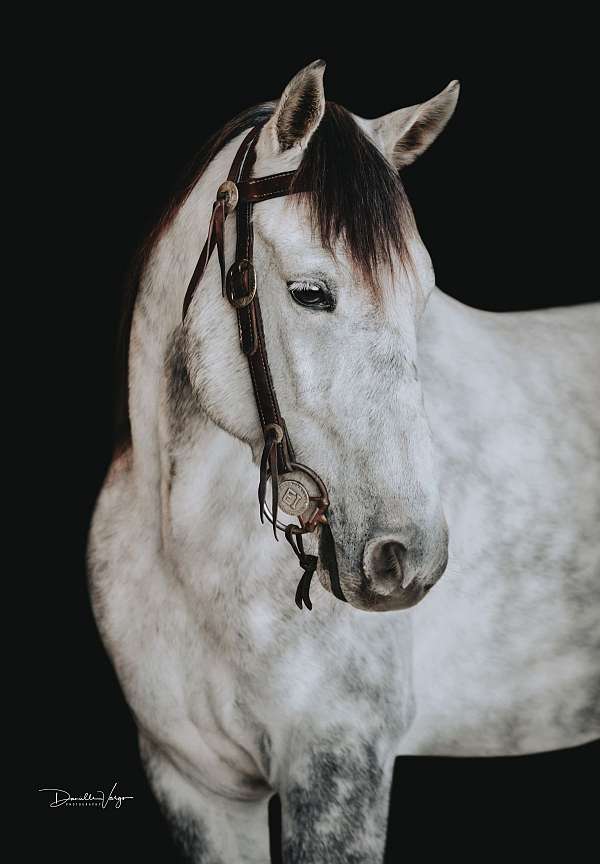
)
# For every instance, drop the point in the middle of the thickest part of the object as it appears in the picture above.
(468, 363)
(479, 368)
(496, 387)
(462, 358)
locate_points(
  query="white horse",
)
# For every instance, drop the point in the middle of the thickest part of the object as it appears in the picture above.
(428, 420)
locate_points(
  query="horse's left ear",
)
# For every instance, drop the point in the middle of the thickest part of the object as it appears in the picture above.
(299, 110)
(403, 135)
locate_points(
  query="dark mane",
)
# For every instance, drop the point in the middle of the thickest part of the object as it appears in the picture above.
(357, 197)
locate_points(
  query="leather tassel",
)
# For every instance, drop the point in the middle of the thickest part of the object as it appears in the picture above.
(274, 486)
(200, 268)
(215, 237)
(303, 589)
(268, 461)
(262, 484)
(308, 564)
(219, 215)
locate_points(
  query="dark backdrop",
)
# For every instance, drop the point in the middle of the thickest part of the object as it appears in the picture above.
(501, 200)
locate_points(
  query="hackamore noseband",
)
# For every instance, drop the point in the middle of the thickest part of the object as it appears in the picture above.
(295, 489)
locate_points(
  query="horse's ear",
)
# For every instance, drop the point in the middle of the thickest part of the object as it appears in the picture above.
(299, 110)
(405, 134)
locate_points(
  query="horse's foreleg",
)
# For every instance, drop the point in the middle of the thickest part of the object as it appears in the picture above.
(210, 828)
(335, 803)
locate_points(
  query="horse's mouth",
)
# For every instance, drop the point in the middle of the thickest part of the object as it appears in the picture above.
(401, 598)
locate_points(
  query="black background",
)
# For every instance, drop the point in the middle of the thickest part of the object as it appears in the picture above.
(501, 200)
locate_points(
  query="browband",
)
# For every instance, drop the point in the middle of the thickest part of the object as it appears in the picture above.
(239, 193)
(263, 188)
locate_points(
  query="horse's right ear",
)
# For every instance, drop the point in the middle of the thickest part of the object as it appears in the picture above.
(406, 133)
(299, 110)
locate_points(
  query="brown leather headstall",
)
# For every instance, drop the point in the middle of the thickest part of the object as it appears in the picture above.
(295, 489)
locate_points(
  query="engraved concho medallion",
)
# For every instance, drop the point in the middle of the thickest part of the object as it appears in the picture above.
(293, 497)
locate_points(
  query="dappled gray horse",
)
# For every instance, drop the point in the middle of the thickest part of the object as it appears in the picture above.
(430, 424)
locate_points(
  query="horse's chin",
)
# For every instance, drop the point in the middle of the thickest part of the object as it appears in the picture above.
(403, 598)
(364, 598)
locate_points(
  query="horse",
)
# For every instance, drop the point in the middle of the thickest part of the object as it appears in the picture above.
(461, 453)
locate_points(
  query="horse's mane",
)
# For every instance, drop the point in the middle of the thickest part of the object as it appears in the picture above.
(356, 195)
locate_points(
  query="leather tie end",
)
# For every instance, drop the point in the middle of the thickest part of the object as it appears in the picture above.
(309, 563)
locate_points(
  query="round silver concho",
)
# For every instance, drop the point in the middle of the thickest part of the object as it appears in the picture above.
(295, 487)
(228, 192)
(293, 497)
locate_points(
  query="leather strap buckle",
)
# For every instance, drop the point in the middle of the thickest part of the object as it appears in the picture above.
(241, 283)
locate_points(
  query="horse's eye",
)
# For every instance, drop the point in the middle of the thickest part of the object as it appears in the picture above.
(315, 295)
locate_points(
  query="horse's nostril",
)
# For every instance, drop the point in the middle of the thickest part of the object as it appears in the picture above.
(391, 557)
(384, 563)
(402, 565)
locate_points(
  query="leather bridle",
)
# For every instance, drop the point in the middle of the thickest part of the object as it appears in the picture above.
(295, 488)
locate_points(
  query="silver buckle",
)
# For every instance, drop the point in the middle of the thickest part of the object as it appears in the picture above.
(236, 273)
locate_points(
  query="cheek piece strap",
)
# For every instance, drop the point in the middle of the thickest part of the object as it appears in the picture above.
(301, 494)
